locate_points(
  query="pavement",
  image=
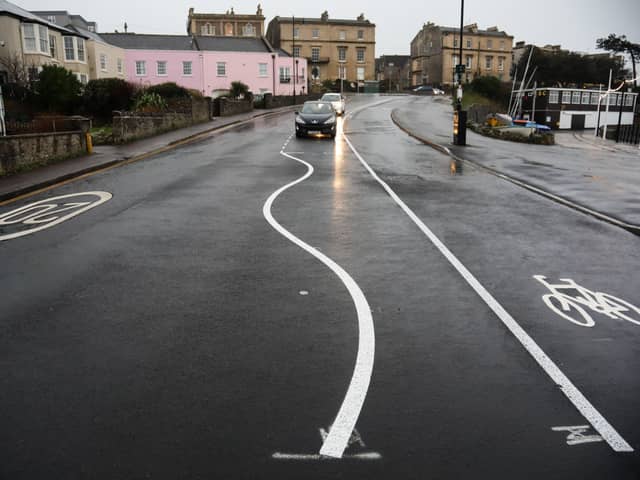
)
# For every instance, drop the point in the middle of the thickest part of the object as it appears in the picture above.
(596, 177)
(105, 156)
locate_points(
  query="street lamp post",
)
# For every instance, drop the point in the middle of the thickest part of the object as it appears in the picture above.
(460, 116)
(273, 58)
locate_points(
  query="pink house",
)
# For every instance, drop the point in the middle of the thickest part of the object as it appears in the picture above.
(210, 64)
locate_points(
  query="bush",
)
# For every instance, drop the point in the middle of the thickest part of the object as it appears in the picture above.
(58, 90)
(239, 89)
(150, 102)
(169, 90)
(103, 96)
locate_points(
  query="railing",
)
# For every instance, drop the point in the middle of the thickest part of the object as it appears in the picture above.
(42, 125)
(629, 134)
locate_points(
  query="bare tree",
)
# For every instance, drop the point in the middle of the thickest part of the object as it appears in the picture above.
(16, 69)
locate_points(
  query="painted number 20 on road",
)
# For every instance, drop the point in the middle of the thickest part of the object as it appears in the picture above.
(47, 213)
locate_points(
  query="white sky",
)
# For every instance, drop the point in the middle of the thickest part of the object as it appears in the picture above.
(575, 24)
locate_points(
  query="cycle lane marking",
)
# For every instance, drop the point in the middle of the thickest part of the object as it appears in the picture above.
(582, 404)
(343, 426)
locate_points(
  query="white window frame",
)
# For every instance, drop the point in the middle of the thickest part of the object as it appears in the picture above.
(141, 68)
(576, 98)
(361, 53)
(586, 98)
(221, 69)
(554, 96)
(469, 61)
(489, 43)
(566, 97)
(595, 97)
(103, 62)
(296, 51)
(360, 72)
(78, 46)
(628, 100)
(164, 65)
(468, 43)
(69, 48)
(360, 34)
(501, 62)
(315, 33)
(285, 75)
(315, 54)
(342, 35)
(119, 65)
(52, 46)
(38, 40)
(80, 49)
(249, 30)
(342, 54)
(187, 68)
(488, 62)
(263, 69)
(342, 72)
(296, 32)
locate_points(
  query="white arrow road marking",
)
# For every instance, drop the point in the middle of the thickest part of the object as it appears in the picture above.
(345, 422)
(604, 428)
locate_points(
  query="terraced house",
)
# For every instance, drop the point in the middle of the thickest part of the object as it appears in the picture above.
(27, 42)
(435, 52)
(334, 48)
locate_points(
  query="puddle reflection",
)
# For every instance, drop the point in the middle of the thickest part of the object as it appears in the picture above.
(456, 167)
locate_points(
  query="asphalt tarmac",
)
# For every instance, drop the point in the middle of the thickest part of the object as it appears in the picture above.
(173, 332)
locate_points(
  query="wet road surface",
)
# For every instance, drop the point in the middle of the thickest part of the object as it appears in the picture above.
(172, 332)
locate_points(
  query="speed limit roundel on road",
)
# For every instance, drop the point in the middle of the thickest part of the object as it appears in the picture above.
(48, 213)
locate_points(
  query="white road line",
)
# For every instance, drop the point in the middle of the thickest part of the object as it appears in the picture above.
(317, 456)
(338, 438)
(604, 428)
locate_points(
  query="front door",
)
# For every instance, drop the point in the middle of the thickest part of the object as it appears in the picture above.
(577, 122)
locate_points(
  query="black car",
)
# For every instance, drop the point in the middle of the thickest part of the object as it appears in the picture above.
(316, 118)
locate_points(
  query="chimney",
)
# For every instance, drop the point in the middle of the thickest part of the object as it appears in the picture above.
(325, 16)
(492, 29)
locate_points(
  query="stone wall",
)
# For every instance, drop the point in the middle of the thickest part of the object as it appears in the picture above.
(135, 125)
(271, 101)
(224, 107)
(18, 152)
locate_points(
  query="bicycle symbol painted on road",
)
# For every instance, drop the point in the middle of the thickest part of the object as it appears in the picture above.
(573, 308)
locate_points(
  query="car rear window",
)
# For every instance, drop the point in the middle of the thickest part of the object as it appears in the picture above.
(317, 108)
(331, 97)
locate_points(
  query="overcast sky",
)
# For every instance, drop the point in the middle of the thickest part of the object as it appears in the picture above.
(575, 24)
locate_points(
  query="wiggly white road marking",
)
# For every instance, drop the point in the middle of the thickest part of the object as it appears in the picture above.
(46, 213)
(316, 456)
(345, 422)
(604, 428)
(578, 434)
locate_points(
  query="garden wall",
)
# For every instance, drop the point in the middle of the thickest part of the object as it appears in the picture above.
(19, 152)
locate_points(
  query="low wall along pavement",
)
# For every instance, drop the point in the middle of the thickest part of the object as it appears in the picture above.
(19, 152)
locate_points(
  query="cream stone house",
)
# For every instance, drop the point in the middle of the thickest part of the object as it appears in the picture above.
(27, 42)
(333, 48)
(435, 52)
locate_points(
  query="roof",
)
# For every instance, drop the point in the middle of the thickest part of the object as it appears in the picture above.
(22, 14)
(397, 60)
(134, 41)
(232, 44)
(490, 33)
(330, 21)
(86, 33)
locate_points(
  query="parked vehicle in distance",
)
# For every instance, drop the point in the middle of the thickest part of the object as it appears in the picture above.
(316, 118)
(336, 100)
(428, 90)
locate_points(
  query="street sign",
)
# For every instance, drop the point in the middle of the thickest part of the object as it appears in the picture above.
(460, 68)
